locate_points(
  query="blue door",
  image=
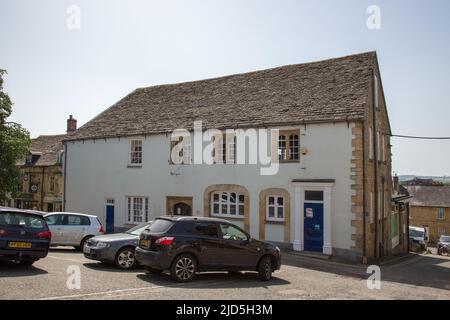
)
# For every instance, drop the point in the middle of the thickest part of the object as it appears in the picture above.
(313, 226)
(109, 218)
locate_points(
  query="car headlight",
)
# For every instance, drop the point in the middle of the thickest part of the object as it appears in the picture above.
(277, 248)
(102, 245)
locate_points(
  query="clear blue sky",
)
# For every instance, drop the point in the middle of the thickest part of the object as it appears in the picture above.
(54, 71)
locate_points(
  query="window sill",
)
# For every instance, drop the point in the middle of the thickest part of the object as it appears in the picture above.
(276, 222)
(134, 166)
(227, 217)
(289, 161)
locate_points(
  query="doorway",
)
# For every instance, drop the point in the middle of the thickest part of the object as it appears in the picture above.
(179, 206)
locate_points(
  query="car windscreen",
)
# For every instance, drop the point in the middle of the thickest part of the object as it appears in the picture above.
(139, 228)
(416, 233)
(445, 239)
(22, 220)
(160, 226)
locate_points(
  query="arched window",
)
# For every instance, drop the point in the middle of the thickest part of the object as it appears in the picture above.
(227, 203)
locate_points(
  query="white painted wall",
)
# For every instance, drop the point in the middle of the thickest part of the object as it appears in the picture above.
(97, 170)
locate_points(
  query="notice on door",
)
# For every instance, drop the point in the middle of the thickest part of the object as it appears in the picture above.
(309, 213)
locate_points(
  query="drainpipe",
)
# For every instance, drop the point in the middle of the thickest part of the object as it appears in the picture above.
(375, 161)
(364, 258)
(64, 177)
(42, 189)
(383, 242)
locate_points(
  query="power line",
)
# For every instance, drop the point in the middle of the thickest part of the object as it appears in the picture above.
(422, 138)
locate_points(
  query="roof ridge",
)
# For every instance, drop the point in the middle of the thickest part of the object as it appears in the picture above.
(373, 53)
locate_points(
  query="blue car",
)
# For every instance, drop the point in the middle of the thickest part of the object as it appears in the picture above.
(24, 236)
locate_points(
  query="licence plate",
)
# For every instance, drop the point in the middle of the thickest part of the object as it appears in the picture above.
(145, 243)
(87, 250)
(20, 245)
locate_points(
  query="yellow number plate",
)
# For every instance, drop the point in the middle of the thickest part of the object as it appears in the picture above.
(145, 243)
(21, 245)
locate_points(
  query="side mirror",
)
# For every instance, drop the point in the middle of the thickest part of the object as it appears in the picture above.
(245, 242)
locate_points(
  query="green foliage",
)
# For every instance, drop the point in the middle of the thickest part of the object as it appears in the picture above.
(14, 144)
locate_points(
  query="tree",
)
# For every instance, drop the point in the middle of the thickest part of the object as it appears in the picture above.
(14, 145)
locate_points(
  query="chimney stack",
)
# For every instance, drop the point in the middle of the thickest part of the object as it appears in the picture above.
(71, 124)
(396, 184)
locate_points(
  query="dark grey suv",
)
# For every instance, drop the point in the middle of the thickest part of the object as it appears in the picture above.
(186, 245)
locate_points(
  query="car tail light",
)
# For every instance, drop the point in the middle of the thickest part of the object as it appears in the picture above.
(101, 230)
(3, 233)
(44, 235)
(165, 241)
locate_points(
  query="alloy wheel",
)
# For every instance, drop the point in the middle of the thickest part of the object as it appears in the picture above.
(126, 259)
(184, 268)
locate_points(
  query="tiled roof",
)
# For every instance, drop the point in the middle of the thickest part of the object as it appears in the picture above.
(325, 91)
(430, 196)
(47, 147)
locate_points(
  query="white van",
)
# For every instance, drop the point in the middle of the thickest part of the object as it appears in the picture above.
(419, 236)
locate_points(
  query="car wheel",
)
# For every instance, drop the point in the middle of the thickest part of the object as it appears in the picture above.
(183, 268)
(152, 270)
(82, 243)
(265, 269)
(125, 259)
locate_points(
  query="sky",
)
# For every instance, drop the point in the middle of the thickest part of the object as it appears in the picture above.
(56, 69)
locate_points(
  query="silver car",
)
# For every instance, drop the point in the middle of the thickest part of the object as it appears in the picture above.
(117, 248)
(73, 229)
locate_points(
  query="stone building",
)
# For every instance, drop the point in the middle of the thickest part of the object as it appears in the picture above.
(430, 208)
(331, 194)
(42, 173)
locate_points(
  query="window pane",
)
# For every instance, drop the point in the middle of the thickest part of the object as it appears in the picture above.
(232, 233)
(271, 212)
(241, 198)
(241, 209)
(216, 197)
(280, 212)
(224, 209)
(280, 201)
(216, 208)
(271, 200)
(314, 195)
(224, 197)
(233, 197)
(206, 229)
(233, 209)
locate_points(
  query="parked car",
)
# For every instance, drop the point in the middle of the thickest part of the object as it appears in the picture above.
(443, 245)
(186, 245)
(73, 229)
(117, 248)
(419, 237)
(24, 236)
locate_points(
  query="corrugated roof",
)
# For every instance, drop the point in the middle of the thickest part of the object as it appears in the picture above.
(325, 91)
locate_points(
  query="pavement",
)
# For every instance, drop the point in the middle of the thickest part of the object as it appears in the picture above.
(424, 276)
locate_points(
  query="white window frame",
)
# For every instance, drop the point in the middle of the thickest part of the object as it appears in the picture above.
(132, 205)
(275, 207)
(228, 204)
(441, 231)
(441, 213)
(132, 152)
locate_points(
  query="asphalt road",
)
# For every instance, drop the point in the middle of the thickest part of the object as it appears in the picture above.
(418, 277)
